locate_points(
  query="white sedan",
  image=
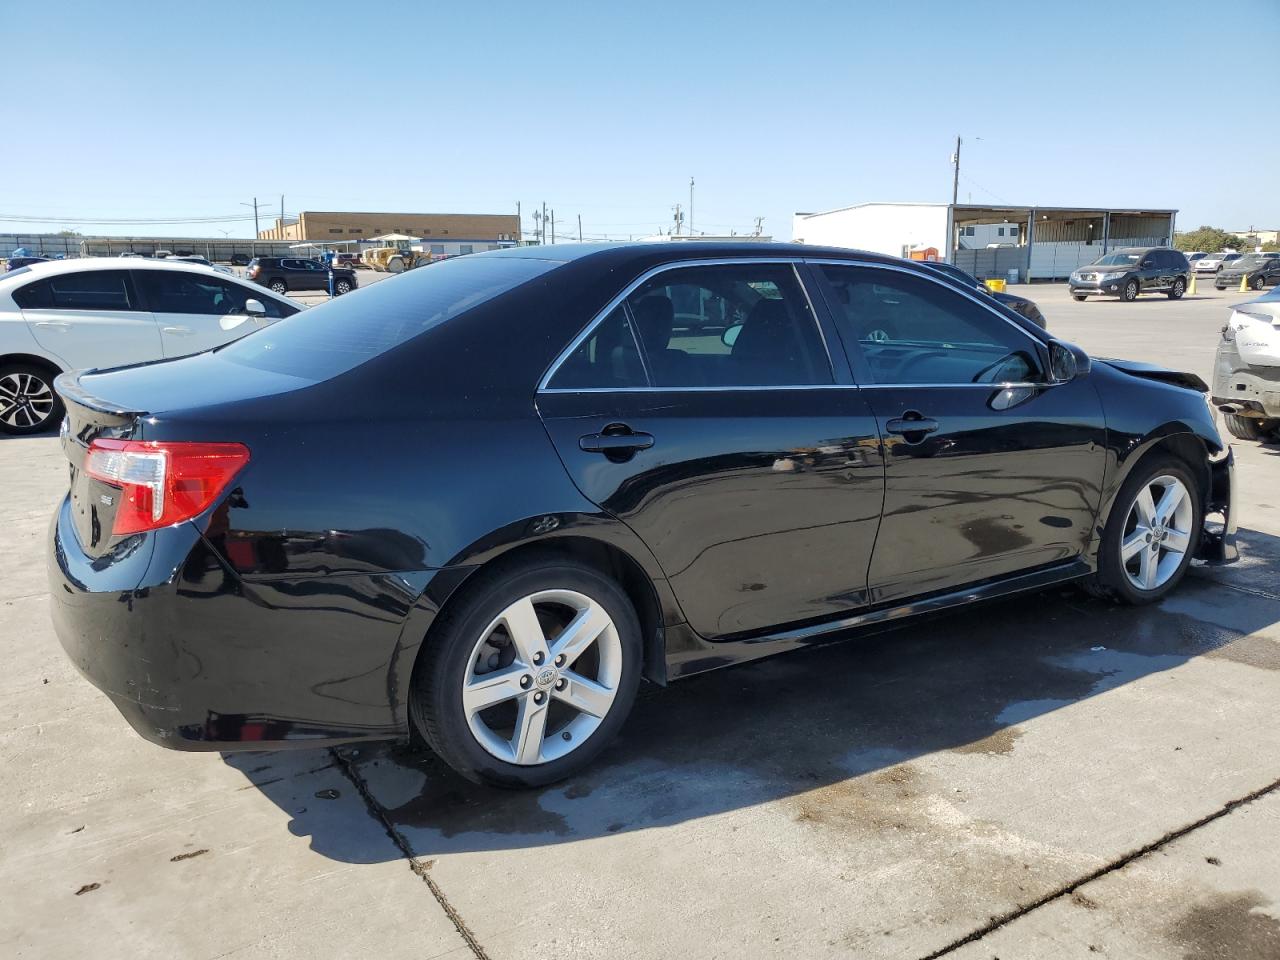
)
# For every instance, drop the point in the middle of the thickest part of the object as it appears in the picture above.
(75, 314)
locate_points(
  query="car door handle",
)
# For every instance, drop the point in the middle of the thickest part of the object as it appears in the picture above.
(918, 424)
(615, 442)
(179, 331)
(54, 324)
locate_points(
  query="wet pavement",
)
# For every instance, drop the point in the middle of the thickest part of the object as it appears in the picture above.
(1048, 776)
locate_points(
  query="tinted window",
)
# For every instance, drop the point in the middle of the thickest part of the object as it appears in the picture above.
(729, 325)
(607, 358)
(33, 296)
(173, 292)
(1118, 260)
(85, 290)
(336, 336)
(911, 329)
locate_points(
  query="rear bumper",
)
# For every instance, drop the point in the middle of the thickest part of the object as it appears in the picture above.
(196, 659)
(1218, 542)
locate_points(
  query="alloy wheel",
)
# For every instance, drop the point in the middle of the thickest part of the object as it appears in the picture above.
(542, 677)
(26, 400)
(1157, 532)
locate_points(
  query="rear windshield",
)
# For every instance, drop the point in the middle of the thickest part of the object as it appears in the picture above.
(345, 332)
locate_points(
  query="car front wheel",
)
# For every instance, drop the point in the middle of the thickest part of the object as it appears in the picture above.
(1258, 283)
(278, 286)
(1151, 534)
(342, 286)
(1078, 298)
(1130, 292)
(28, 403)
(527, 679)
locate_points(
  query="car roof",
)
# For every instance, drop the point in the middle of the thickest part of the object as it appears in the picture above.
(645, 252)
(53, 268)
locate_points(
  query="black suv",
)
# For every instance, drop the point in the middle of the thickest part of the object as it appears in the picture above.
(1129, 271)
(283, 274)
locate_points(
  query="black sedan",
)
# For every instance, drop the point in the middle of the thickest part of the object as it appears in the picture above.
(484, 500)
(1014, 302)
(1256, 270)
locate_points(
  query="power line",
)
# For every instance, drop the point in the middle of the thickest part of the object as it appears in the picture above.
(32, 218)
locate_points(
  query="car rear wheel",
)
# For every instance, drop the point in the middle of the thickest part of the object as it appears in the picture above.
(527, 679)
(1258, 282)
(277, 286)
(1179, 288)
(1219, 286)
(1151, 534)
(342, 286)
(1249, 428)
(28, 403)
(1130, 292)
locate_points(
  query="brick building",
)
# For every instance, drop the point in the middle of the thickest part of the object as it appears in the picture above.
(321, 226)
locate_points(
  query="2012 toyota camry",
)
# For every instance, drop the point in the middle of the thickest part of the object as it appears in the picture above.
(484, 499)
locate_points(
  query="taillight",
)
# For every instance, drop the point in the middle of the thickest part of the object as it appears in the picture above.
(253, 271)
(163, 483)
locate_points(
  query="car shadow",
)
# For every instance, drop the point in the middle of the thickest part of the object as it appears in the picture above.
(793, 727)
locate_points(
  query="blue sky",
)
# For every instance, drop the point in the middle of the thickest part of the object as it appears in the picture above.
(158, 110)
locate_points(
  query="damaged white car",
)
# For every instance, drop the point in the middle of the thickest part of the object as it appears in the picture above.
(1246, 371)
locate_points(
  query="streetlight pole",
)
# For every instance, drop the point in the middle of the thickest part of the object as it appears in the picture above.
(691, 206)
(255, 216)
(955, 180)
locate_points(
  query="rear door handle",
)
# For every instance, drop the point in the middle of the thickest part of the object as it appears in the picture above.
(180, 331)
(54, 324)
(903, 425)
(615, 442)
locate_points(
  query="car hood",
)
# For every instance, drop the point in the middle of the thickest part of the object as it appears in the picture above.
(1149, 371)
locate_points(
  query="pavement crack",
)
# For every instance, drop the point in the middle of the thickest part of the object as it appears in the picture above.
(419, 867)
(1117, 864)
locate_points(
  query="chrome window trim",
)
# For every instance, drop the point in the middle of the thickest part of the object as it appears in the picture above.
(663, 268)
(994, 387)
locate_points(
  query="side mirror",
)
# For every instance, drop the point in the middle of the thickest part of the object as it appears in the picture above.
(255, 308)
(1147, 264)
(1066, 362)
(730, 335)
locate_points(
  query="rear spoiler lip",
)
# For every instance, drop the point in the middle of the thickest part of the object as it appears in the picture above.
(68, 387)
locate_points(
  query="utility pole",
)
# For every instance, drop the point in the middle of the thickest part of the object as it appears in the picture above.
(255, 215)
(579, 228)
(691, 206)
(759, 226)
(519, 222)
(282, 211)
(543, 238)
(553, 225)
(955, 180)
(679, 220)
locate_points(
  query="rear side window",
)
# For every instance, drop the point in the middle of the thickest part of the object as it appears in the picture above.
(337, 336)
(174, 292)
(608, 359)
(87, 290)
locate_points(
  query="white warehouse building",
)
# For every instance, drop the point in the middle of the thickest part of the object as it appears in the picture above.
(1026, 243)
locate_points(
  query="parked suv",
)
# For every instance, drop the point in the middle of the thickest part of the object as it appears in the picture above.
(1127, 272)
(1014, 302)
(282, 274)
(1258, 270)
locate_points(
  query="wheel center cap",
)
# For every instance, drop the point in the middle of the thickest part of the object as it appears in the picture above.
(546, 677)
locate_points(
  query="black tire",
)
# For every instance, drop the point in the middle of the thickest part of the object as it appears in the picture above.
(1130, 292)
(278, 286)
(1110, 581)
(1259, 283)
(341, 286)
(1218, 286)
(435, 702)
(28, 403)
(395, 265)
(1078, 298)
(1249, 428)
(1179, 288)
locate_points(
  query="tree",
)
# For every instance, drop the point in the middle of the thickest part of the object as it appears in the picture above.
(1208, 239)
(69, 233)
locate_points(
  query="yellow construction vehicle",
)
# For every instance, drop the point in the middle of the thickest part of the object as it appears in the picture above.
(396, 256)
